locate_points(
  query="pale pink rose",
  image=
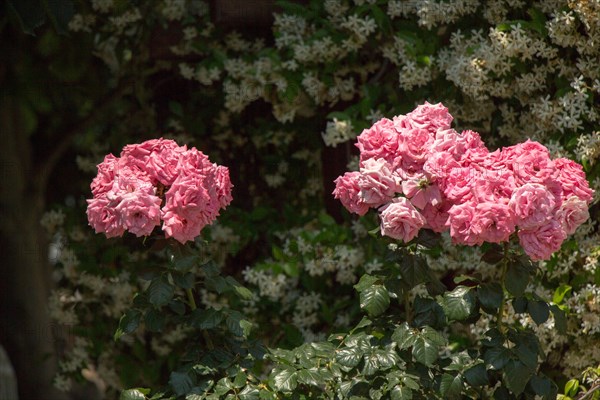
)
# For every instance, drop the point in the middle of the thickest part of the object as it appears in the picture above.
(446, 140)
(379, 141)
(128, 178)
(140, 212)
(181, 228)
(494, 186)
(530, 161)
(103, 182)
(472, 150)
(421, 191)
(493, 222)
(163, 164)
(573, 180)
(460, 222)
(414, 148)
(572, 213)
(541, 242)
(401, 220)
(103, 217)
(437, 216)
(348, 192)
(533, 204)
(430, 117)
(439, 164)
(193, 161)
(376, 182)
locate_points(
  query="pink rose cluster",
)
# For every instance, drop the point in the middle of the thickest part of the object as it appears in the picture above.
(157, 181)
(420, 173)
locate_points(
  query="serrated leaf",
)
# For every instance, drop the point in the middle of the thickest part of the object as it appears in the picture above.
(285, 379)
(516, 375)
(451, 386)
(180, 382)
(538, 310)
(348, 357)
(490, 295)
(413, 270)
(517, 278)
(365, 282)
(541, 385)
(206, 319)
(496, 357)
(424, 351)
(477, 375)
(375, 300)
(248, 393)
(128, 323)
(310, 376)
(160, 292)
(363, 323)
(184, 281)
(404, 336)
(233, 323)
(371, 364)
(401, 393)
(433, 336)
(154, 320)
(132, 394)
(459, 303)
(185, 263)
(493, 255)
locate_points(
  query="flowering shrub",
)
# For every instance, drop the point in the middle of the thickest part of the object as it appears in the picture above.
(156, 181)
(452, 181)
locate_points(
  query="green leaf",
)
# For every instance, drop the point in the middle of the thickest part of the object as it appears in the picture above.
(206, 319)
(414, 270)
(541, 385)
(490, 295)
(425, 351)
(459, 303)
(520, 305)
(493, 255)
(516, 375)
(249, 393)
(363, 323)
(284, 379)
(240, 379)
(404, 336)
(401, 393)
(560, 293)
(184, 281)
(310, 376)
(497, 357)
(154, 320)
(348, 357)
(375, 300)
(242, 291)
(29, 12)
(477, 375)
(451, 386)
(433, 336)
(538, 310)
(133, 394)
(365, 282)
(180, 382)
(234, 323)
(560, 319)
(185, 263)
(571, 387)
(517, 278)
(128, 323)
(160, 292)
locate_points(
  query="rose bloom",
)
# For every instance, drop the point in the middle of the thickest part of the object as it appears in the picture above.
(103, 217)
(429, 117)
(458, 185)
(414, 148)
(421, 191)
(401, 220)
(439, 164)
(224, 186)
(572, 213)
(494, 186)
(379, 141)
(437, 216)
(493, 222)
(103, 182)
(573, 180)
(530, 161)
(539, 243)
(376, 182)
(533, 204)
(460, 222)
(348, 192)
(140, 212)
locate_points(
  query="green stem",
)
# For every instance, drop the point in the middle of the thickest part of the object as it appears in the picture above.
(502, 277)
(407, 308)
(191, 300)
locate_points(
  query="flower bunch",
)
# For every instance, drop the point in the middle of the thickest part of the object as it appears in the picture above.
(156, 181)
(451, 181)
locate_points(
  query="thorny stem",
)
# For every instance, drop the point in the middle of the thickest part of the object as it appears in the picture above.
(503, 276)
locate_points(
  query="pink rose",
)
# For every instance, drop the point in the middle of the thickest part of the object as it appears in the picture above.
(224, 186)
(181, 228)
(572, 213)
(376, 182)
(458, 185)
(421, 191)
(494, 186)
(429, 117)
(530, 161)
(140, 212)
(414, 148)
(379, 141)
(162, 164)
(400, 220)
(533, 204)
(348, 192)
(103, 182)
(493, 222)
(460, 222)
(437, 216)
(573, 180)
(104, 218)
(439, 164)
(539, 243)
